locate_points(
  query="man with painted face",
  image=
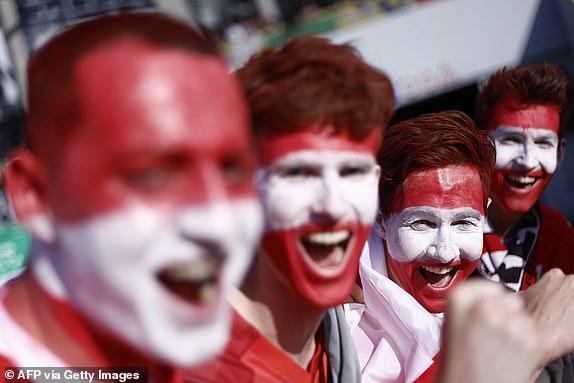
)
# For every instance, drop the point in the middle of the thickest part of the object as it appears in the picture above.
(138, 195)
(522, 109)
(432, 196)
(428, 239)
(318, 111)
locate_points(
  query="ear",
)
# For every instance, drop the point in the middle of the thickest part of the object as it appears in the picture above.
(25, 187)
(380, 226)
(378, 172)
(561, 150)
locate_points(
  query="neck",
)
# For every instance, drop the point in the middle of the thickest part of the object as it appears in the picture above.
(269, 303)
(503, 221)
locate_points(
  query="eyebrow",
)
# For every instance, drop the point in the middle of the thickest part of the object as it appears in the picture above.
(472, 213)
(422, 212)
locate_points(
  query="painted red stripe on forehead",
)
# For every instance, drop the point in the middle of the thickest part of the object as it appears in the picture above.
(274, 147)
(450, 187)
(527, 116)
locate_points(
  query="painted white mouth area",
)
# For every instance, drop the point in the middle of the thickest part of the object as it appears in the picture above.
(332, 238)
(438, 270)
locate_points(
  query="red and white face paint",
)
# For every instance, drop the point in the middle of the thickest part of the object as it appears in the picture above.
(434, 232)
(154, 214)
(526, 142)
(319, 193)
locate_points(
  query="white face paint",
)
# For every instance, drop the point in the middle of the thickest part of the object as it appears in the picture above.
(110, 268)
(433, 235)
(301, 186)
(525, 148)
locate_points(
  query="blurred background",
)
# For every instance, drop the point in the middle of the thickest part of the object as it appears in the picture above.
(436, 52)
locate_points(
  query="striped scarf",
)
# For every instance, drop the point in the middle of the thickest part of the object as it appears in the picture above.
(505, 260)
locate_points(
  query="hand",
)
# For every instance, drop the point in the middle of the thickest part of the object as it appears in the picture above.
(550, 301)
(488, 336)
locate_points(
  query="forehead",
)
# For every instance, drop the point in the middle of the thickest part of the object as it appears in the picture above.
(323, 157)
(450, 187)
(276, 147)
(532, 116)
(133, 94)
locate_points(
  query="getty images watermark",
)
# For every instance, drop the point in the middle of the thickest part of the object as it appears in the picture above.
(75, 374)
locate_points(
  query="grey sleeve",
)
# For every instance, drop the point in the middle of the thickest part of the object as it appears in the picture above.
(343, 361)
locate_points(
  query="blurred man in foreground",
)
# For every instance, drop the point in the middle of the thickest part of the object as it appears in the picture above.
(138, 195)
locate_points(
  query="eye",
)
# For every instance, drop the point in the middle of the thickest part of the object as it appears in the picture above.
(355, 170)
(235, 169)
(422, 224)
(298, 172)
(464, 225)
(149, 179)
(544, 144)
(510, 140)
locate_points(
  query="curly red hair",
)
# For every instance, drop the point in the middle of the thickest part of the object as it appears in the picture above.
(429, 141)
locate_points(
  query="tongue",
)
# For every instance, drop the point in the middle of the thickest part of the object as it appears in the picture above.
(325, 256)
(436, 280)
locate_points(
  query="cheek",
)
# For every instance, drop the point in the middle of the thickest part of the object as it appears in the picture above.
(505, 155)
(406, 246)
(469, 244)
(548, 159)
(362, 197)
(287, 204)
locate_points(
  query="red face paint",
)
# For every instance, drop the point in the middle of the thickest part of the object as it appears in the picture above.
(319, 195)
(526, 141)
(433, 237)
(446, 188)
(145, 135)
(272, 148)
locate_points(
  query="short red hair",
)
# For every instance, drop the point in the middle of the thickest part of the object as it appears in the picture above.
(534, 84)
(312, 81)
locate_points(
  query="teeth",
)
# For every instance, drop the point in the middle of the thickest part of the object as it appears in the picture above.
(522, 179)
(207, 292)
(438, 270)
(328, 238)
(197, 272)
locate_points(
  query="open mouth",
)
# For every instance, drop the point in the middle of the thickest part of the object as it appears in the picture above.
(520, 182)
(195, 282)
(327, 249)
(438, 277)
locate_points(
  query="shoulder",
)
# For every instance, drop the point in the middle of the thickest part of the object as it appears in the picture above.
(556, 239)
(554, 225)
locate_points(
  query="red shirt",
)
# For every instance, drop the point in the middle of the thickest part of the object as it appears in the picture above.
(250, 357)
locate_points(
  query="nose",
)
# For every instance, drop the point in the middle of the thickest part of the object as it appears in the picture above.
(526, 159)
(444, 249)
(210, 226)
(330, 204)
